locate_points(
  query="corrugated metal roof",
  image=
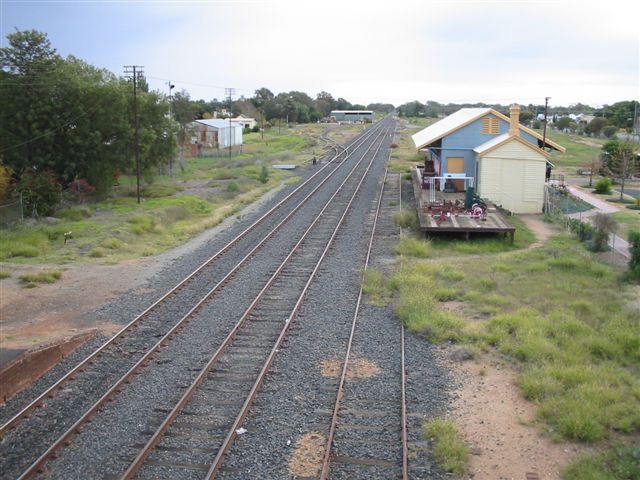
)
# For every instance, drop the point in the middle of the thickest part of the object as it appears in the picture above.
(503, 139)
(461, 118)
(446, 125)
(218, 123)
(491, 143)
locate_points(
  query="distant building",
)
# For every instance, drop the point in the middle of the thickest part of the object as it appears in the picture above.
(352, 116)
(246, 122)
(215, 133)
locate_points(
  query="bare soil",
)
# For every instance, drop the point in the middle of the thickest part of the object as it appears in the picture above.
(306, 460)
(499, 425)
(358, 368)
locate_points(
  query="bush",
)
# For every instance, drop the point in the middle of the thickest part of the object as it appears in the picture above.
(232, 186)
(41, 192)
(264, 174)
(610, 131)
(255, 129)
(603, 186)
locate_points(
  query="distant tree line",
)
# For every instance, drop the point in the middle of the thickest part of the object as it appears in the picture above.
(607, 120)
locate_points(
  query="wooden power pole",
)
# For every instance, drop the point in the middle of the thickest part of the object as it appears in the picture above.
(135, 72)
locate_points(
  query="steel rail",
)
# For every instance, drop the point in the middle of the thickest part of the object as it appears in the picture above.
(228, 442)
(49, 392)
(326, 461)
(148, 356)
(139, 460)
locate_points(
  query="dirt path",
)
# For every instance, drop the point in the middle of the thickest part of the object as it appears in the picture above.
(495, 420)
(499, 424)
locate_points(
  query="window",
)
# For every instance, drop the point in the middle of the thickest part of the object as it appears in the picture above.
(490, 126)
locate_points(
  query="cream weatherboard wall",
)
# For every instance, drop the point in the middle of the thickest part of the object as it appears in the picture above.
(512, 175)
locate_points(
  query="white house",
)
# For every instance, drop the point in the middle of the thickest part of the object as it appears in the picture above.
(246, 122)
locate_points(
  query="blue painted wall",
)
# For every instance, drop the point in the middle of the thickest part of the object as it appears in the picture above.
(462, 142)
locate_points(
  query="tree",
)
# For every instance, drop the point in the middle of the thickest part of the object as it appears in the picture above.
(609, 131)
(70, 119)
(526, 117)
(604, 225)
(595, 126)
(324, 103)
(563, 123)
(620, 159)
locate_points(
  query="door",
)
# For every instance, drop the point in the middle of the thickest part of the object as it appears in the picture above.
(456, 165)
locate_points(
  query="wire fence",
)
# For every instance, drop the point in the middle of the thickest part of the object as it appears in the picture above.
(12, 213)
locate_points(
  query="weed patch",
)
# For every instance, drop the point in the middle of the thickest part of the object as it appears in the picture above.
(41, 277)
(413, 247)
(375, 287)
(557, 312)
(449, 450)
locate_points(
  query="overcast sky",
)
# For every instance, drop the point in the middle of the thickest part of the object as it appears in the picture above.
(365, 51)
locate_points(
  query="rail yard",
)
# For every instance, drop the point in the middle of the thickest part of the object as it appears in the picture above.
(221, 377)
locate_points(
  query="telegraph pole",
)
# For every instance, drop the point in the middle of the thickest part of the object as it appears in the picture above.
(544, 132)
(171, 87)
(230, 92)
(135, 72)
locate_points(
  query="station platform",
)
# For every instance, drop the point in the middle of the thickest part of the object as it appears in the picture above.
(433, 220)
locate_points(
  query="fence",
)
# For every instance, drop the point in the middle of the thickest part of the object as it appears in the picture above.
(11, 213)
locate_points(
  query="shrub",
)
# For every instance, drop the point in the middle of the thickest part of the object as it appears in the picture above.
(4, 274)
(603, 186)
(264, 174)
(41, 192)
(604, 225)
(232, 187)
(255, 129)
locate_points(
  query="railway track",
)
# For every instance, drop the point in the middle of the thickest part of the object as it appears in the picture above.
(194, 287)
(368, 433)
(160, 345)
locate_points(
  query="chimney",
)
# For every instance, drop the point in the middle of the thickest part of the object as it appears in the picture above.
(514, 123)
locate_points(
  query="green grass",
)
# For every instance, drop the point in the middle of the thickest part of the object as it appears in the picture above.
(449, 449)
(118, 228)
(621, 462)
(580, 150)
(375, 287)
(4, 274)
(557, 312)
(413, 247)
(407, 219)
(31, 279)
(627, 220)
